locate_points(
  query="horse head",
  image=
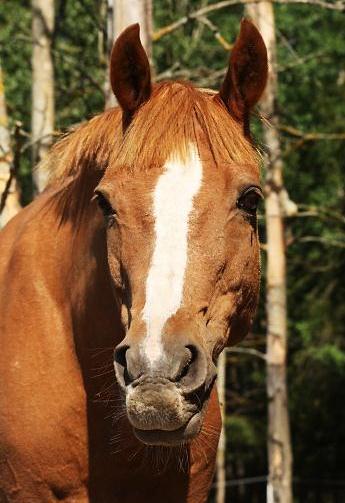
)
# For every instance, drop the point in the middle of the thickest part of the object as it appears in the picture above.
(179, 198)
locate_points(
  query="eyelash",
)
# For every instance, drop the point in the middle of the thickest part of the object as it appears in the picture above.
(110, 214)
(250, 207)
(106, 208)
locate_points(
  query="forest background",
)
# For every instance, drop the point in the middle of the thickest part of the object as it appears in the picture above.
(311, 108)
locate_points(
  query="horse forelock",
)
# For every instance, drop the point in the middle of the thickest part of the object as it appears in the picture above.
(163, 126)
(166, 125)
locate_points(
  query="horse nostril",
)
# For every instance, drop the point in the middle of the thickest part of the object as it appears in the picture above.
(123, 376)
(190, 359)
(120, 356)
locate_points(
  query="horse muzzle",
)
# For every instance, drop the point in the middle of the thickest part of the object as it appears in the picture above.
(161, 415)
(165, 402)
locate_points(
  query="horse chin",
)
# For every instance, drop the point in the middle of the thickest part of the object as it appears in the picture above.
(172, 438)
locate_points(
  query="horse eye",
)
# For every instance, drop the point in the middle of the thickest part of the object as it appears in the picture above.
(249, 200)
(105, 206)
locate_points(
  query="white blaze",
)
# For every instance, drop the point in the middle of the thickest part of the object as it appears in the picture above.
(172, 206)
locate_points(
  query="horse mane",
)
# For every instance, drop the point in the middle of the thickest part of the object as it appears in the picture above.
(163, 126)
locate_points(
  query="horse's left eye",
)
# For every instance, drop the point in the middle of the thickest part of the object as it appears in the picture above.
(249, 200)
(107, 209)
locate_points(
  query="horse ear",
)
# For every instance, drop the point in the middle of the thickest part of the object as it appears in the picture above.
(246, 77)
(130, 74)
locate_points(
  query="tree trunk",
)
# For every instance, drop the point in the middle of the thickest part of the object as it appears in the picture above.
(11, 201)
(120, 14)
(221, 453)
(279, 444)
(42, 125)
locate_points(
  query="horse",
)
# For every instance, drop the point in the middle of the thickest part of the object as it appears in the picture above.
(122, 283)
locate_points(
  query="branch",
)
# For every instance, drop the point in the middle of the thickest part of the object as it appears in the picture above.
(313, 136)
(321, 212)
(302, 138)
(217, 35)
(63, 55)
(339, 5)
(19, 148)
(98, 23)
(322, 240)
(31, 143)
(247, 351)
(204, 77)
(14, 167)
(300, 60)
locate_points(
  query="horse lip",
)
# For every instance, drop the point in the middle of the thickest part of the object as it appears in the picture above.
(172, 438)
(188, 431)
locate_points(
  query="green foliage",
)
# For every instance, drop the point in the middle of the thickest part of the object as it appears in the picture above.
(15, 57)
(80, 67)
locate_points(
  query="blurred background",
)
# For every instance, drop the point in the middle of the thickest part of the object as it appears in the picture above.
(283, 389)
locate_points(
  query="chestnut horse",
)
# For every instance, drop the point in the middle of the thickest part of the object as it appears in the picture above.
(145, 243)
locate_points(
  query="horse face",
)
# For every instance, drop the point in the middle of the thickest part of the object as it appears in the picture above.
(183, 250)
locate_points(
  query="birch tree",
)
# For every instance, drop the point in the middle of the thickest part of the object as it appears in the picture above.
(279, 489)
(221, 452)
(120, 14)
(9, 194)
(42, 116)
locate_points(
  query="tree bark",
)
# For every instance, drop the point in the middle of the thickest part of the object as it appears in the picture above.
(221, 453)
(12, 205)
(120, 14)
(42, 118)
(279, 443)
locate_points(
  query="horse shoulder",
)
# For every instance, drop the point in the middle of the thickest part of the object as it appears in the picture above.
(43, 433)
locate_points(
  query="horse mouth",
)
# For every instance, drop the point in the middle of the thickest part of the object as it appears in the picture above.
(172, 438)
(160, 434)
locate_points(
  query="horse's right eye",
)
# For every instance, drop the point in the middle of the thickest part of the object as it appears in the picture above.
(249, 200)
(106, 208)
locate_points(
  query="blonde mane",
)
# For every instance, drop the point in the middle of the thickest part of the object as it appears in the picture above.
(165, 124)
